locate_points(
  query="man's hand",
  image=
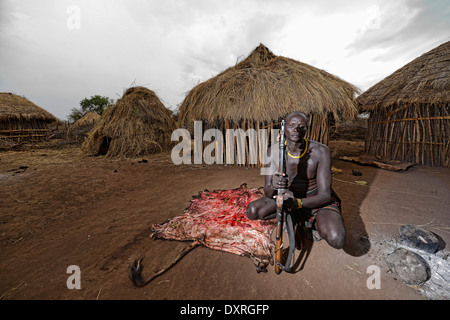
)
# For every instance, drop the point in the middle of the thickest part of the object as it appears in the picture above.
(289, 200)
(280, 180)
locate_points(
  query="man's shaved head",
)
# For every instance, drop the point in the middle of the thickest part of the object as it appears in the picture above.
(296, 113)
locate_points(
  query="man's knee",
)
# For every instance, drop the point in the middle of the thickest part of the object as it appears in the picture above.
(332, 230)
(336, 238)
(260, 209)
(252, 211)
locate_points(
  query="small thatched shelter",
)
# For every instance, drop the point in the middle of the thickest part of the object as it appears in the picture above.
(83, 126)
(21, 119)
(410, 111)
(137, 125)
(259, 91)
(89, 119)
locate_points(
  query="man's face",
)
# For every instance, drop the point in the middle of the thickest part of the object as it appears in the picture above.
(295, 128)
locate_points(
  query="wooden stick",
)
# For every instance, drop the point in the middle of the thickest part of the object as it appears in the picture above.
(411, 119)
(20, 130)
(25, 136)
(246, 125)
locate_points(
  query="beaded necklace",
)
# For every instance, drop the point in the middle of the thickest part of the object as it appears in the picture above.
(304, 151)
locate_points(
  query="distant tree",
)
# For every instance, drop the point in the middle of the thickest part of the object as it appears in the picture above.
(95, 104)
(75, 114)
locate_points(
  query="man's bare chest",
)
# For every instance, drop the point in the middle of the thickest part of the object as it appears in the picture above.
(304, 169)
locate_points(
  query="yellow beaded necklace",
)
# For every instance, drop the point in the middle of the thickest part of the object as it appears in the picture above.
(304, 151)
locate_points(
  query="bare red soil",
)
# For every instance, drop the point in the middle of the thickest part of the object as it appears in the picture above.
(65, 209)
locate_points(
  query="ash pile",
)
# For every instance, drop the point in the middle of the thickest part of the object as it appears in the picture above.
(418, 259)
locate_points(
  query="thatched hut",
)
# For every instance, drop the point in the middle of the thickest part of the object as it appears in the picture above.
(137, 125)
(21, 119)
(410, 111)
(89, 119)
(259, 91)
(79, 130)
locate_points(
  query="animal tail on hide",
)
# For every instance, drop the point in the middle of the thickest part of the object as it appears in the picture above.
(136, 269)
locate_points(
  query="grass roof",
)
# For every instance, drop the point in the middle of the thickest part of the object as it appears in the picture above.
(138, 124)
(89, 119)
(426, 79)
(16, 108)
(265, 87)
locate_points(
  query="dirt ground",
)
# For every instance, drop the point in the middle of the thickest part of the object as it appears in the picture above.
(58, 208)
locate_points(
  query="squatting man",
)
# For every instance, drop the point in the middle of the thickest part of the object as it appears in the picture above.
(308, 182)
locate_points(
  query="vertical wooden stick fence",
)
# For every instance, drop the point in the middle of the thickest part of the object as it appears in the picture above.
(317, 131)
(417, 133)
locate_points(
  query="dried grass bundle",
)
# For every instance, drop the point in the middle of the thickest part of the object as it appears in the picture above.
(137, 125)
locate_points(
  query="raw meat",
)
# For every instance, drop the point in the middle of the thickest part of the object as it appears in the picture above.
(218, 220)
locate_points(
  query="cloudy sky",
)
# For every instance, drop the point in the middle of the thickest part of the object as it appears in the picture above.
(58, 52)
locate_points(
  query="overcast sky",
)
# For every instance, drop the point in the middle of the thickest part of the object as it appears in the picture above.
(57, 52)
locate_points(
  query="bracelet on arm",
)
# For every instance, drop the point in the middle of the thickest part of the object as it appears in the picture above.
(300, 204)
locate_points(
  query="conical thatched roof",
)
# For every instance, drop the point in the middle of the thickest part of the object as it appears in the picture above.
(89, 119)
(14, 107)
(265, 87)
(426, 79)
(138, 124)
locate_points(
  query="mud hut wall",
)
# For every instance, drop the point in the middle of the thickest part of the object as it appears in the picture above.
(417, 133)
(318, 125)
